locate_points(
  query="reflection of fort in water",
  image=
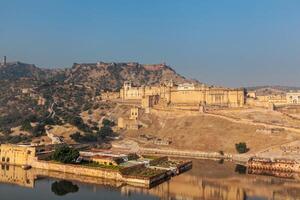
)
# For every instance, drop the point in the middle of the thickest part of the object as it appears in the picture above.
(208, 180)
(212, 181)
(26, 178)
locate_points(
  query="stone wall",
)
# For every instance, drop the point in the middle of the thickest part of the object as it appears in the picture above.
(195, 96)
(77, 169)
(16, 155)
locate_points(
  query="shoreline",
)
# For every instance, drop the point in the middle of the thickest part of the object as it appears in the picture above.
(238, 158)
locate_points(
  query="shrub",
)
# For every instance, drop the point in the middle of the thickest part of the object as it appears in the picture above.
(38, 130)
(105, 131)
(26, 126)
(241, 147)
(107, 122)
(89, 137)
(79, 123)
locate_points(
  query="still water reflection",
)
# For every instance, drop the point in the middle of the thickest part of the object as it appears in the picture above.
(207, 180)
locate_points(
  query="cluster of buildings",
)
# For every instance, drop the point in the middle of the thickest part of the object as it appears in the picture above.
(288, 98)
(130, 168)
(283, 165)
(186, 94)
(181, 96)
(191, 96)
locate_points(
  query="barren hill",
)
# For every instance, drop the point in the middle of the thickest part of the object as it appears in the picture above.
(17, 70)
(269, 90)
(112, 75)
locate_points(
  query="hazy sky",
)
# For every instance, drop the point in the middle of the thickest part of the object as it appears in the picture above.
(223, 42)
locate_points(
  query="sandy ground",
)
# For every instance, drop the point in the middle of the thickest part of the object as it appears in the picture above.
(211, 132)
(207, 133)
(262, 115)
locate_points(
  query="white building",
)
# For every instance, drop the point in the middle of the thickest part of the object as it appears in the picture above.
(186, 86)
(293, 97)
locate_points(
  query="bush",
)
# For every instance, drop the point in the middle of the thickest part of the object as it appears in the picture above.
(89, 137)
(107, 122)
(6, 130)
(105, 131)
(241, 147)
(78, 122)
(38, 130)
(65, 154)
(26, 126)
(18, 138)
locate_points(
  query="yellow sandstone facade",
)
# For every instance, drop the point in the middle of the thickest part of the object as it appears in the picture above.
(184, 94)
(17, 155)
(293, 97)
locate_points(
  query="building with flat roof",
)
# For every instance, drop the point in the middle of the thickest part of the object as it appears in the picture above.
(293, 97)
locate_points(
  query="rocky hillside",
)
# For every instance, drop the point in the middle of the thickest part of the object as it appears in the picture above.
(17, 70)
(30, 94)
(112, 75)
(100, 75)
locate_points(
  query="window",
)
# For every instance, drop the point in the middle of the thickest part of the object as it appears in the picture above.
(7, 159)
(3, 159)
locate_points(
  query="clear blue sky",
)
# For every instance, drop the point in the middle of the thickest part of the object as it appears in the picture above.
(223, 42)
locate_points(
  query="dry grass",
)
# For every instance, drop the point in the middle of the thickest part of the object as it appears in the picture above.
(207, 133)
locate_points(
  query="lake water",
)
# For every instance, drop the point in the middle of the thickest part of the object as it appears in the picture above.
(209, 180)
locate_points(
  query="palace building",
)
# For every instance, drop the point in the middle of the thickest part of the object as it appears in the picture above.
(185, 94)
(293, 97)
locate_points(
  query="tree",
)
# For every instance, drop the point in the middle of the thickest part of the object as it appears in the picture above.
(107, 122)
(26, 126)
(65, 154)
(38, 130)
(79, 123)
(241, 147)
(105, 131)
(6, 130)
(88, 137)
(76, 136)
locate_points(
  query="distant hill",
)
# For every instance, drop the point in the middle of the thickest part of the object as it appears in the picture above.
(17, 70)
(267, 90)
(112, 75)
(101, 75)
(70, 91)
